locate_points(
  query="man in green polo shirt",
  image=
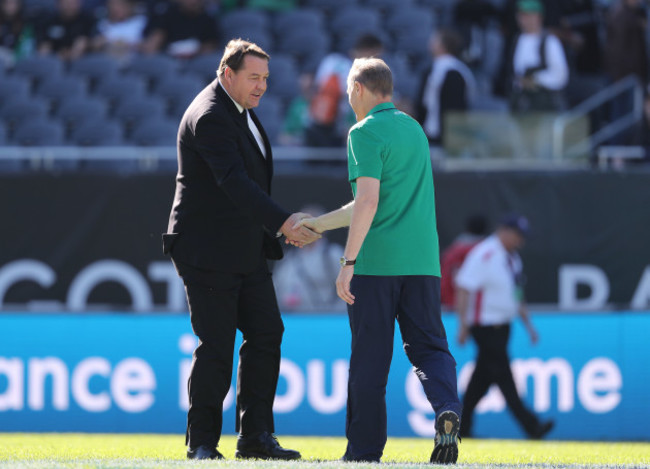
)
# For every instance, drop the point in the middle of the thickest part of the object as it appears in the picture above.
(391, 267)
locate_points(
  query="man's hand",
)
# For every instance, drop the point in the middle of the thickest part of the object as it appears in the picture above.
(297, 234)
(343, 284)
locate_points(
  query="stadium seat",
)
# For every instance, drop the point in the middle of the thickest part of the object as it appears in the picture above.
(283, 77)
(95, 67)
(346, 41)
(244, 18)
(39, 132)
(415, 44)
(355, 18)
(261, 37)
(98, 132)
(3, 134)
(271, 115)
(131, 111)
(39, 67)
(13, 87)
(116, 88)
(14, 111)
(57, 89)
(153, 67)
(36, 7)
(307, 46)
(204, 66)
(75, 111)
(295, 20)
(410, 19)
(178, 91)
(155, 133)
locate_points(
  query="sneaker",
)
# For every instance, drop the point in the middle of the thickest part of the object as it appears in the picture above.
(445, 450)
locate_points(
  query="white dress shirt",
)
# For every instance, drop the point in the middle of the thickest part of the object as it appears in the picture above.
(251, 124)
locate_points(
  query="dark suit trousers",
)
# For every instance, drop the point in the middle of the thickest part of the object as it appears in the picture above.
(493, 367)
(414, 301)
(220, 303)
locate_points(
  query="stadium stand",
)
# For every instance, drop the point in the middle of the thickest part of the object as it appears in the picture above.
(295, 20)
(76, 110)
(13, 87)
(155, 132)
(58, 89)
(153, 67)
(15, 110)
(134, 109)
(204, 66)
(95, 67)
(117, 88)
(98, 132)
(39, 132)
(39, 67)
(283, 77)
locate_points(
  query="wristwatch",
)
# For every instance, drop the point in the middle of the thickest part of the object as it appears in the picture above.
(345, 261)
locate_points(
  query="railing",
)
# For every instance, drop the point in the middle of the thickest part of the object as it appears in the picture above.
(586, 146)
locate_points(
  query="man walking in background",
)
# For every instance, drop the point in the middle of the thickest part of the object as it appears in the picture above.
(222, 227)
(489, 295)
(391, 268)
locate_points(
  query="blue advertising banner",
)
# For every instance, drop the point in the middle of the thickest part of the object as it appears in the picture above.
(128, 373)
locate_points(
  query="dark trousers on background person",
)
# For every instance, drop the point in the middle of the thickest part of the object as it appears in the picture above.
(220, 303)
(415, 302)
(493, 367)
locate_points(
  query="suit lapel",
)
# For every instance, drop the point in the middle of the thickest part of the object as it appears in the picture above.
(240, 120)
(267, 144)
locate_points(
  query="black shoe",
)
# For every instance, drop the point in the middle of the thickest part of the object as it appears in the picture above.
(204, 452)
(445, 450)
(263, 446)
(348, 458)
(541, 430)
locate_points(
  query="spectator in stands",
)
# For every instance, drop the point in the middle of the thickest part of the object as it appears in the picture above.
(67, 32)
(625, 53)
(305, 280)
(121, 32)
(16, 33)
(448, 85)
(489, 295)
(452, 258)
(184, 30)
(297, 118)
(329, 109)
(539, 67)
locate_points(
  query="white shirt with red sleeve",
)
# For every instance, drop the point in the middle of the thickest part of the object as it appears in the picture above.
(489, 273)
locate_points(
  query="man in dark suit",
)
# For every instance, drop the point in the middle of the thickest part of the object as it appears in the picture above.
(222, 227)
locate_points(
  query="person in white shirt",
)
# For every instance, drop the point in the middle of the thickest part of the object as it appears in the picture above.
(489, 295)
(121, 32)
(539, 66)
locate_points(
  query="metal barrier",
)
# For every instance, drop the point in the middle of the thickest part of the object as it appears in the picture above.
(562, 122)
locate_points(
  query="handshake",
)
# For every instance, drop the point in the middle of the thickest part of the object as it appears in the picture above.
(300, 229)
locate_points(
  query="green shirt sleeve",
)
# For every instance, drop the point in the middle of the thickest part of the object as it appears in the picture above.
(364, 154)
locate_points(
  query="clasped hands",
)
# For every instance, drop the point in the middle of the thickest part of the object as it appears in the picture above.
(297, 232)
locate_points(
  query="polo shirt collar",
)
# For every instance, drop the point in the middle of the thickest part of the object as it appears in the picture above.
(381, 107)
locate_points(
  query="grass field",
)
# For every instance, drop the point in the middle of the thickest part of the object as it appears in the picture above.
(18, 450)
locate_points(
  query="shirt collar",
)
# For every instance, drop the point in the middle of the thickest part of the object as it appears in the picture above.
(240, 108)
(381, 107)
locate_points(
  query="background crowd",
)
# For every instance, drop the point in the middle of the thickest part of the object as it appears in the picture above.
(129, 57)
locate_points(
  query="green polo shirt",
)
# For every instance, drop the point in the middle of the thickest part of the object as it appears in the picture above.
(403, 240)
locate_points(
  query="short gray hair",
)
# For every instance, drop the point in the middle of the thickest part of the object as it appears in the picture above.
(372, 73)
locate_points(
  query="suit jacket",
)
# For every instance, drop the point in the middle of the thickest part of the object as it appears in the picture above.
(222, 218)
